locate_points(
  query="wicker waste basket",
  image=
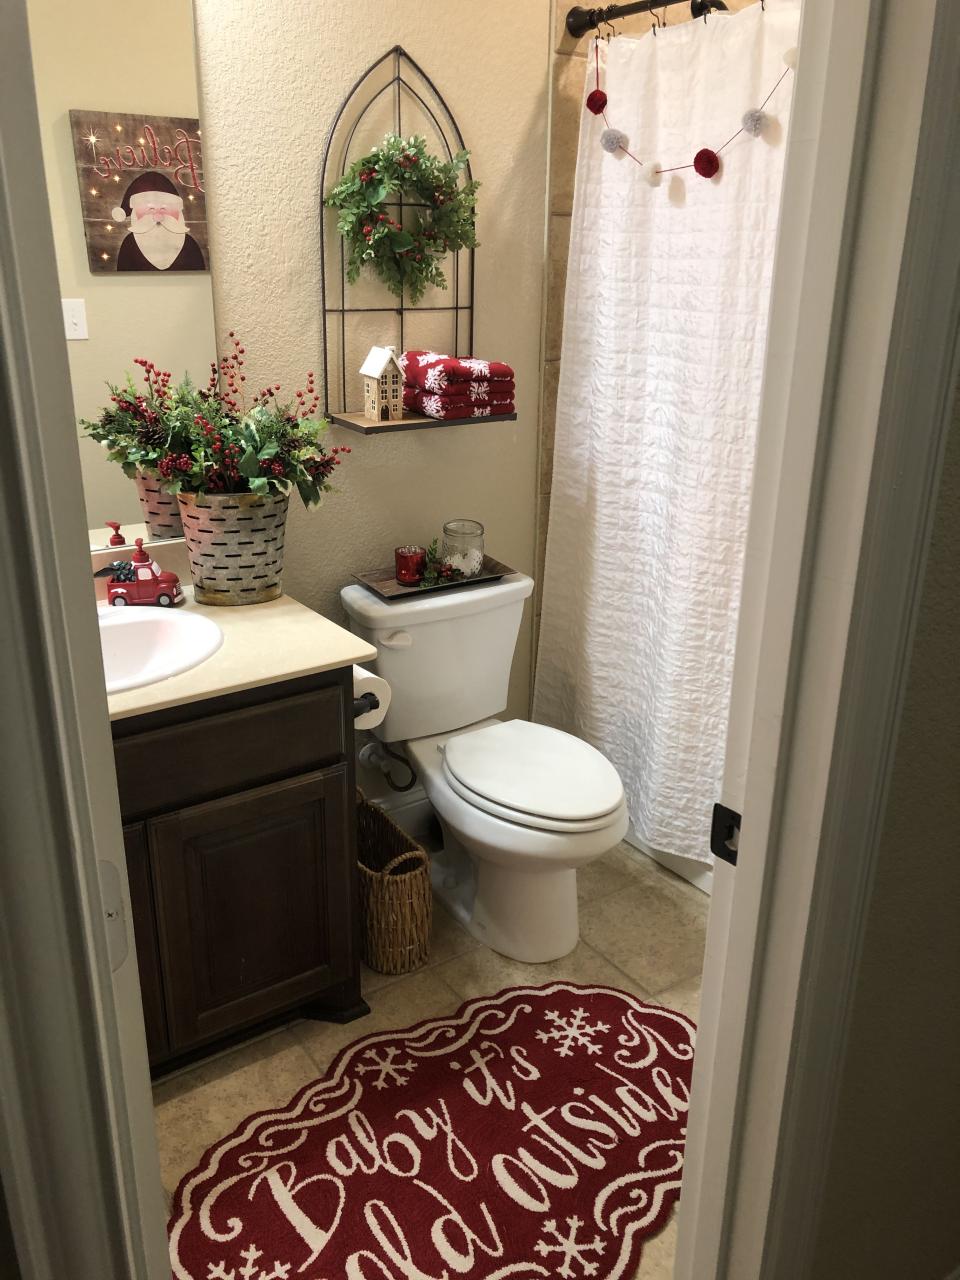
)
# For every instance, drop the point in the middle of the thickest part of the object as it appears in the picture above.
(396, 905)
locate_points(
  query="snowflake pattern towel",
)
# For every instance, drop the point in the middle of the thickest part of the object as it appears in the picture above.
(479, 389)
(447, 406)
(432, 371)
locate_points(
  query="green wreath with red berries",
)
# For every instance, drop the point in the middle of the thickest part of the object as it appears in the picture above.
(440, 207)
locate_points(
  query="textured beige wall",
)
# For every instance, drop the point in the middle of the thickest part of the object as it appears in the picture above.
(892, 1179)
(272, 76)
(98, 57)
(568, 70)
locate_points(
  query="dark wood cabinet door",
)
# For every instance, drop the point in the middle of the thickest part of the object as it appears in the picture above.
(255, 902)
(145, 933)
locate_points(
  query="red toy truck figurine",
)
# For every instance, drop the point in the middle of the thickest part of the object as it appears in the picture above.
(144, 582)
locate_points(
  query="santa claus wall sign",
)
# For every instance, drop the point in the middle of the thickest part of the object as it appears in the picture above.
(141, 191)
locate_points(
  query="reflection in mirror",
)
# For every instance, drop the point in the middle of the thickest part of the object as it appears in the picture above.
(122, 150)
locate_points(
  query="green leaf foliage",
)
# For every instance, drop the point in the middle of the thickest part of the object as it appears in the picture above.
(211, 439)
(402, 210)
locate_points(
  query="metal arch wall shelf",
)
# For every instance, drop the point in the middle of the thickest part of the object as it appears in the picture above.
(398, 74)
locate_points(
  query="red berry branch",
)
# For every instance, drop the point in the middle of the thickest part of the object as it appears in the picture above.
(209, 440)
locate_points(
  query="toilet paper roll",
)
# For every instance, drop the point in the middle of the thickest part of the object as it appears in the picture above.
(366, 682)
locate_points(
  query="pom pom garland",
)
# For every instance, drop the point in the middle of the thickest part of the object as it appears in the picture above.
(596, 101)
(706, 163)
(613, 140)
(754, 122)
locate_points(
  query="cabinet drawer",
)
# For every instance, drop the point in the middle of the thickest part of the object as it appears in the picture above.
(215, 755)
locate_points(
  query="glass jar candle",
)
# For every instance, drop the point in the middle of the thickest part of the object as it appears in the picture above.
(410, 564)
(463, 546)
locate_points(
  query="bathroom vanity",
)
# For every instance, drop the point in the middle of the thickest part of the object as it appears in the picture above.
(237, 794)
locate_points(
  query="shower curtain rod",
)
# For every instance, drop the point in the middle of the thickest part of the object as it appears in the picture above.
(580, 20)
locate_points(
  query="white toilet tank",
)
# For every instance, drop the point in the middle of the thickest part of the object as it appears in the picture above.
(446, 656)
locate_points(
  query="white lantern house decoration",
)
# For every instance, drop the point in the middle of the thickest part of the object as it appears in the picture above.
(382, 385)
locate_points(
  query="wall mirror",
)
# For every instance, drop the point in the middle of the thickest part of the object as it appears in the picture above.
(118, 100)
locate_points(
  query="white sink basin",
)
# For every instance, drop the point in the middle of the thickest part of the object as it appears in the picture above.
(144, 644)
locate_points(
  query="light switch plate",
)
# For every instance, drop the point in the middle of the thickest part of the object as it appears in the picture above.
(74, 318)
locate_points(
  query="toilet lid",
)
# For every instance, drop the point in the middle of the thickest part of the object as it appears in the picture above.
(535, 770)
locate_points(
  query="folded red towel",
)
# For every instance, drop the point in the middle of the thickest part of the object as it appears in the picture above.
(475, 392)
(434, 406)
(432, 371)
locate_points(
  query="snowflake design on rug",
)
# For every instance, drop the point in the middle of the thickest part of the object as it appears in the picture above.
(435, 379)
(573, 1032)
(251, 1269)
(480, 368)
(571, 1247)
(479, 390)
(429, 357)
(481, 411)
(389, 1070)
(433, 406)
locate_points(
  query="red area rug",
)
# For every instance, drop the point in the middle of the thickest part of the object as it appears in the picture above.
(537, 1132)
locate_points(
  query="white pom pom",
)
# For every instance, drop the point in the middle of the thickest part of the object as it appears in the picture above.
(652, 173)
(118, 214)
(790, 58)
(754, 122)
(613, 140)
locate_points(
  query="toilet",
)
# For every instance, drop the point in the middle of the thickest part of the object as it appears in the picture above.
(521, 805)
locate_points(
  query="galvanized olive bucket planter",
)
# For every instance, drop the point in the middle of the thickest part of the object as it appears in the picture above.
(235, 545)
(161, 514)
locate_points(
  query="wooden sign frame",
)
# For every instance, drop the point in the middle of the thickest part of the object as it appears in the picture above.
(141, 192)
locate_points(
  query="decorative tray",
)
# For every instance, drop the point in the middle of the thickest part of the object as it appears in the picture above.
(384, 583)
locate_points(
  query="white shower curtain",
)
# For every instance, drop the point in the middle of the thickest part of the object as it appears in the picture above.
(663, 344)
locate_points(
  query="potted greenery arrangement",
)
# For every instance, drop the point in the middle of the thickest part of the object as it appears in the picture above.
(133, 430)
(231, 466)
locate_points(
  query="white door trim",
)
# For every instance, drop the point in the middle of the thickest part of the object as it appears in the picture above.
(850, 361)
(916, 413)
(78, 1160)
(819, 175)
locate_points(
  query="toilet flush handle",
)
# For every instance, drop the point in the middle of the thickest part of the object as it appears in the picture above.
(396, 640)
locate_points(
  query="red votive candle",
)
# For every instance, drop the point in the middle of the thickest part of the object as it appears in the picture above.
(411, 563)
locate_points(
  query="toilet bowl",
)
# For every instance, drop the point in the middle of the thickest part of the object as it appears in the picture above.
(518, 891)
(522, 805)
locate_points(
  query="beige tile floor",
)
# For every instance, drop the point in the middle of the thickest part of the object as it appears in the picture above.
(642, 929)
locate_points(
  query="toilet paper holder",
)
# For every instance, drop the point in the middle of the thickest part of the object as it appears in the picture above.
(365, 703)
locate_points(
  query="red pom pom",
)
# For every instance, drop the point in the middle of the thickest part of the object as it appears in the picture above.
(597, 102)
(706, 163)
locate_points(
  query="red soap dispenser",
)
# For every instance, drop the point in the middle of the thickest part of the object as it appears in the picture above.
(116, 539)
(142, 581)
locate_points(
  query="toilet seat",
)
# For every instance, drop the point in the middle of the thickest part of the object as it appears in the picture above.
(534, 776)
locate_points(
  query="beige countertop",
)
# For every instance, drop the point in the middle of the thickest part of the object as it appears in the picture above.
(262, 644)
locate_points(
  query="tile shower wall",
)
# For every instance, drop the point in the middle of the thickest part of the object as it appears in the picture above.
(568, 72)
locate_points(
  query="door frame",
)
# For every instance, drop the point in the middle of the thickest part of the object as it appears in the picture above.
(78, 1157)
(72, 1078)
(865, 263)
